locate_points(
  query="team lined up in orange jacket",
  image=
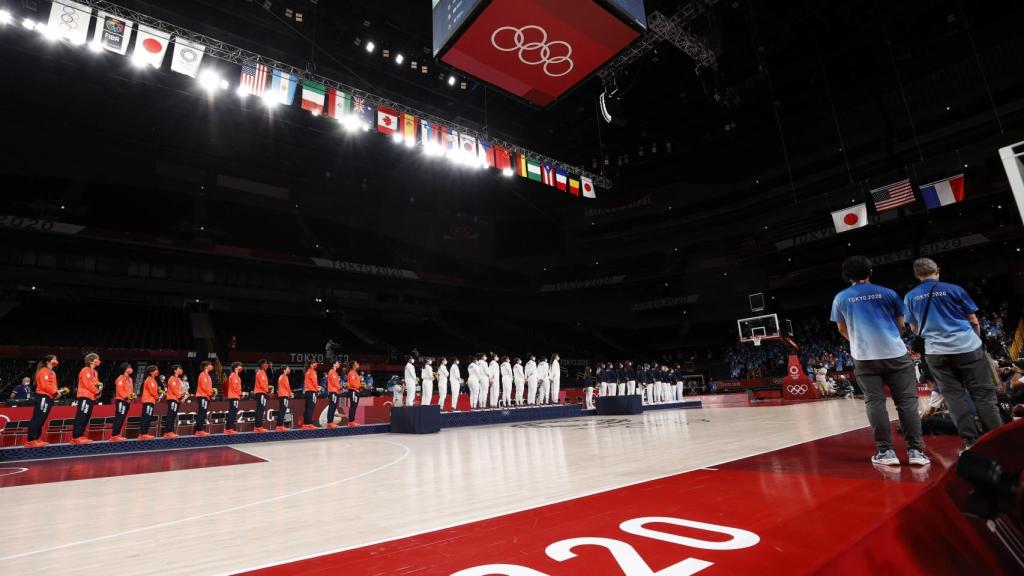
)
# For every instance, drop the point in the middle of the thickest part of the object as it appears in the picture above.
(89, 389)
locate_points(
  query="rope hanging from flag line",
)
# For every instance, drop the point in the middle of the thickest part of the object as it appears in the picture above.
(232, 54)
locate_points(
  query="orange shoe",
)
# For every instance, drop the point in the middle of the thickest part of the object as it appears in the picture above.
(36, 444)
(202, 433)
(146, 437)
(280, 429)
(308, 427)
(332, 425)
(170, 435)
(117, 439)
(259, 430)
(353, 424)
(230, 432)
(80, 440)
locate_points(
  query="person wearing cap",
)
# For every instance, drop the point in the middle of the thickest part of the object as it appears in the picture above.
(871, 317)
(946, 317)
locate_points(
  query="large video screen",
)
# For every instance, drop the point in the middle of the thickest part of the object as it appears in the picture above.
(449, 16)
(536, 49)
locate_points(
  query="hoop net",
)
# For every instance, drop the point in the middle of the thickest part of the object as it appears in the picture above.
(757, 340)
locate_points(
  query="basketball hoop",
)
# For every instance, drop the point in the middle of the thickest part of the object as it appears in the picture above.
(757, 340)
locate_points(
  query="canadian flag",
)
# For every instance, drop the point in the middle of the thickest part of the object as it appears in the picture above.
(387, 121)
(850, 218)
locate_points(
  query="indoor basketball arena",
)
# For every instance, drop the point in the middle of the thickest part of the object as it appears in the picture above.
(512, 287)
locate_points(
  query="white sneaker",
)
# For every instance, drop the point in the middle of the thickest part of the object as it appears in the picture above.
(887, 458)
(917, 457)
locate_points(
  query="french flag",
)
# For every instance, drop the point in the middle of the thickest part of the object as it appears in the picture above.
(943, 192)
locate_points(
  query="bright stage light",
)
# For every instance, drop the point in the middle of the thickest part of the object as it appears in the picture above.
(506, 172)
(95, 47)
(139, 61)
(5, 17)
(29, 23)
(370, 46)
(270, 99)
(397, 137)
(399, 58)
(47, 32)
(351, 123)
(451, 80)
(224, 85)
(410, 142)
(210, 81)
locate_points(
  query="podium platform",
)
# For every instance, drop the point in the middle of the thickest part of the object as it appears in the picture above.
(416, 419)
(619, 405)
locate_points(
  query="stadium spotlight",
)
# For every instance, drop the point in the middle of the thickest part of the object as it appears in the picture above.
(29, 23)
(95, 47)
(5, 17)
(410, 142)
(370, 46)
(451, 80)
(506, 172)
(270, 99)
(211, 81)
(242, 92)
(399, 58)
(397, 137)
(47, 32)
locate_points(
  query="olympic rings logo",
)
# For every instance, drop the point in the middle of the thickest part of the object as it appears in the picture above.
(797, 389)
(536, 49)
(68, 18)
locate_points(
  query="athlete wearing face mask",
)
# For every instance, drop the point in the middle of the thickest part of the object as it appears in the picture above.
(410, 382)
(455, 380)
(544, 381)
(442, 382)
(473, 383)
(427, 383)
(519, 379)
(555, 377)
(506, 382)
(630, 379)
(493, 375)
(531, 380)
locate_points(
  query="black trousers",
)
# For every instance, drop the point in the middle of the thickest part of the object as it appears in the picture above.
(307, 414)
(120, 411)
(82, 416)
(204, 405)
(261, 409)
(282, 410)
(172, 416)
(963, 375)
(353, 403)
(232, 414)
(39, 415)
(146, 419)
(332, 406)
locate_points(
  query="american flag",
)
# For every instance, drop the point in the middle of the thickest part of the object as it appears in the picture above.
(893, 196)
(254, 78)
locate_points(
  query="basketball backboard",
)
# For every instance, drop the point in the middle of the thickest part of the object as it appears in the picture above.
(757, 328)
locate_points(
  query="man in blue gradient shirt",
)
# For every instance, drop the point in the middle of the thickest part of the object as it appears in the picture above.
(952, 349)
(871, 318)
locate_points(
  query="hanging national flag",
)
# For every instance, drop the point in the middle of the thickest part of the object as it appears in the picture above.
(339, 104)
(521, 166)
(851, 218)
(408, 127)
(533, 169)
(363, 110)
(451, 141)
(187, 56)
(112, 33)
(560, 179)
(547, 174)
(430, 135)
(253, 79)
(283, 86)
(387, 121)
(588, 187)
(150, 46)
(574, 187)
(943, 192)
(485, 153)
(467, 146)
(313, 95)
(70, 20)
(502, 158)
(893, 196)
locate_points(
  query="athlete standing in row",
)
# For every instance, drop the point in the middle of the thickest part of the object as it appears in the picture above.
(310, 388)
(260, 390)
(150, 396)
(174, 399)
(46, 393)
(204, 392)
(124, 393)
(88, 389)
(284, 393)
(233, 394)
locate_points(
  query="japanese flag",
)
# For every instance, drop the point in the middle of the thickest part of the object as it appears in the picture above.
(588, 187)
(850, 218)
(150, 46)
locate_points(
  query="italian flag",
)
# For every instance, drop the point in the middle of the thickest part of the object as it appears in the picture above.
(313, 97)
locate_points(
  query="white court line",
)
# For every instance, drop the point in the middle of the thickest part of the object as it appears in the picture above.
(516, 510)
(16, 471)
(215, 512)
